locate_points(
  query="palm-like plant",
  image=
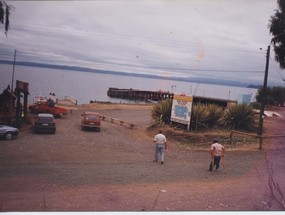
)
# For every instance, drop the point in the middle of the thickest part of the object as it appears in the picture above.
(276, 28)
(5, 10)
(215, 114)
(239, 116)
(199, 116)
(161, 112)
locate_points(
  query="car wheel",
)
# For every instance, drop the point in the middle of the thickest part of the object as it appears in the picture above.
(9, 136)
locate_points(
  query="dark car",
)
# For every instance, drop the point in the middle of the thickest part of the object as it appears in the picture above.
(91, 120)
(8, 132)
(45, 122)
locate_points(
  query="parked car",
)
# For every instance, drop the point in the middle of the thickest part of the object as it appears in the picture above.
(8, 132)
(45, 122)
(47, 107)
(91, 120)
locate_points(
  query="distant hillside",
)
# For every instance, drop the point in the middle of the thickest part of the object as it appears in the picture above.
(85, 69)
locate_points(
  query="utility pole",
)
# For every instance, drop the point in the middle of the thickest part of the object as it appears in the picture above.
(12, 84)
(13, 70)
(262, 105)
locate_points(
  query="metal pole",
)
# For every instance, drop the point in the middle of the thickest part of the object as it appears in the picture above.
(262, 105)
(13, 69)
(11, 101)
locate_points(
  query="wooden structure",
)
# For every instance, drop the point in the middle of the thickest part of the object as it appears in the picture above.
(142, 95)
(225, 103)
(7, 107)
(139, 95)
(121, 122)
(22, 109)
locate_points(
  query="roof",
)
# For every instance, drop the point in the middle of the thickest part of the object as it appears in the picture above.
(91, 113)
(45, 115)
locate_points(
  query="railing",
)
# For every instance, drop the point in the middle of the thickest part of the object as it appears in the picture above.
(114, 120)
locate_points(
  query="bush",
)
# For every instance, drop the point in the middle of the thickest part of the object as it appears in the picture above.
(161, 112)
(239, 116)
(208, 116)
(205, 116)
(199, 116)
(215, 115)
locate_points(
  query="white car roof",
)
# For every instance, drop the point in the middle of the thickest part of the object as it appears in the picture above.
(45, 115)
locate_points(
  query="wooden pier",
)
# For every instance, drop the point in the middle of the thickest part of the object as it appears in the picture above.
(139, 95)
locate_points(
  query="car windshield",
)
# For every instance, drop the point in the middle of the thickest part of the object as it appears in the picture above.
(91, 117)
(45, 119)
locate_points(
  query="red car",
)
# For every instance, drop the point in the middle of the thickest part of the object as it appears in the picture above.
(47, 107)
(91, 120)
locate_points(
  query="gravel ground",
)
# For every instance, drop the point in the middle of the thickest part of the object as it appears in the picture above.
(112, 170)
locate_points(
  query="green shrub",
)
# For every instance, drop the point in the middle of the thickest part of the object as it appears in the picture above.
(199, 116)
(215, 114)
(208, 116)
(161, 112)
(239, 116)
(205, 116)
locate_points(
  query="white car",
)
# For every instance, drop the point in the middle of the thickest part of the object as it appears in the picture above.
(8, 132)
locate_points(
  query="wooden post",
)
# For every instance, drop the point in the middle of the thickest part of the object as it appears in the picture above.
(262, 107)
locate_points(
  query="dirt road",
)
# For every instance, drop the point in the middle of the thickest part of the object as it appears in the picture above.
(112, 170)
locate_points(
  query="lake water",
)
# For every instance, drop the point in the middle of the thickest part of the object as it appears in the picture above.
(85, 86)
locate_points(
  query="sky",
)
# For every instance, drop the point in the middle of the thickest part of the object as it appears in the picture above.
(217, 39)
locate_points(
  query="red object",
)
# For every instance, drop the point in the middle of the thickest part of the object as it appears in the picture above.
(91, 120)
(47, 107)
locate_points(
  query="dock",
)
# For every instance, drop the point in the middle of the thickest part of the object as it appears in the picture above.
(139, 95)
(155, 96)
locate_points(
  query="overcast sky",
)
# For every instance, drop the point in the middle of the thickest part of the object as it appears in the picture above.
(220, 39)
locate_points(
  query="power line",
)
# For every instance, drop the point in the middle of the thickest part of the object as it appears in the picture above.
(274, 63)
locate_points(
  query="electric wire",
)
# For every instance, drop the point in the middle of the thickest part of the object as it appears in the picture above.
(277, 69)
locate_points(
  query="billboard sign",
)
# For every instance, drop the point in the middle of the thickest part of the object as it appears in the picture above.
(22, 86)
(182, 109)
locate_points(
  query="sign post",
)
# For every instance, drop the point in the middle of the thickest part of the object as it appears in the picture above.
(182, 109)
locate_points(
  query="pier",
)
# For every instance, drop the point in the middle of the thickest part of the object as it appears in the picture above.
(139, 95)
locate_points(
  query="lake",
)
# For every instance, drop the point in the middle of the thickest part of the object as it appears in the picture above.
(86, 86)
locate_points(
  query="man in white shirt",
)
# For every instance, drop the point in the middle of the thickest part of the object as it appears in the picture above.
(160, 146)
(217, 151)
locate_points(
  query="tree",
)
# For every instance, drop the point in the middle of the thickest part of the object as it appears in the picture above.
(265, 95)
(277, 29)
(5, 10)
(272, 95)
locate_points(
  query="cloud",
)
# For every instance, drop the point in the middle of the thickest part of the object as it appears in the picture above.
(177, 38)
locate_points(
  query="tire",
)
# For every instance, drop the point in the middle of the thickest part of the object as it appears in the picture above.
(9, 136)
